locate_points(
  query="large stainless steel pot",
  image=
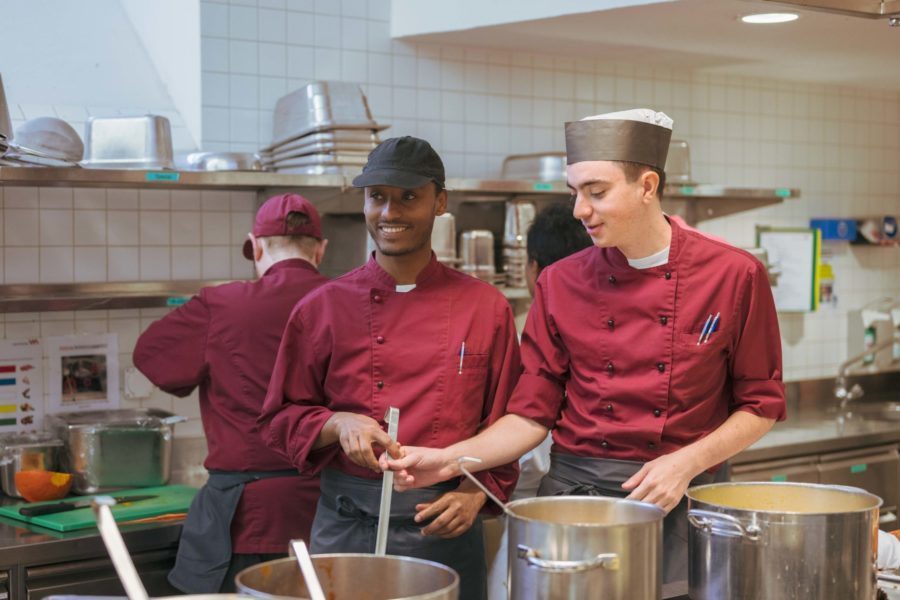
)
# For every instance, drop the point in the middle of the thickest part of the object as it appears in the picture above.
(572, 547)
(781, 541)
(353, 577)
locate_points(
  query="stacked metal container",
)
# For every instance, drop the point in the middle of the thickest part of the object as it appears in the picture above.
(323, 127)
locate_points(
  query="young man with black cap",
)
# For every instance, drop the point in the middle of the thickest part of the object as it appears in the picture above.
(653, 356)
(402, 331)
(224, 341)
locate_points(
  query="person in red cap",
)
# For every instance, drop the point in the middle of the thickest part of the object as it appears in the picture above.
(401, 331)
(224, 341)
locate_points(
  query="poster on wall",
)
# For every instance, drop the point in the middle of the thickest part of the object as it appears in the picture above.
(83, 372)
(794, 253)
(21, 381)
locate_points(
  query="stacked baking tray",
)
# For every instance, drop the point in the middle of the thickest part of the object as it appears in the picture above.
(323, 127)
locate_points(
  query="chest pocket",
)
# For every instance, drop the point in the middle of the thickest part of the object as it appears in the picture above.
(469, 385)
(699, 371)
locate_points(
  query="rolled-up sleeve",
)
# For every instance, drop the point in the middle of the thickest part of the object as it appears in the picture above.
(540, 390)
(171, 353)
(756, 367)
(295, 408)
(506, 367)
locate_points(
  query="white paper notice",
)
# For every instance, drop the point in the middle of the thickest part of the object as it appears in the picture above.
(21, 379)
(83, 372)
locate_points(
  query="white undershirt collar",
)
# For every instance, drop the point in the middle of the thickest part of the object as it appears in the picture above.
(654, 260)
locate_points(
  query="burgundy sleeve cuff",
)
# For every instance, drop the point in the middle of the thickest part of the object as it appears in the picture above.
(536, 398)
(501, 481)
(761, 397)
(294, 430)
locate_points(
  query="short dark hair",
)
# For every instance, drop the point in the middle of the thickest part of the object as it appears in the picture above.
(634, 170)
(554, 234)
(306, 243)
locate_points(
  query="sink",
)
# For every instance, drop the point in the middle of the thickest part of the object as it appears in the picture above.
(889, 411)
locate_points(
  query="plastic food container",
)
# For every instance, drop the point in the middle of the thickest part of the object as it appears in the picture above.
(106, 450)
(26, 451)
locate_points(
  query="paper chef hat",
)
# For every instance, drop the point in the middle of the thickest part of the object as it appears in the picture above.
(638, 135)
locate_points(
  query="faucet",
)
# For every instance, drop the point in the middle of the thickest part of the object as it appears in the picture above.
(841, 393)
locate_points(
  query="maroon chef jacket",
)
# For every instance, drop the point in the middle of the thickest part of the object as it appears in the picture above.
(358, 345)
(225, 340)
(610, 354)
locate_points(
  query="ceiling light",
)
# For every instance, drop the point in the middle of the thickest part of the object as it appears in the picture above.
(769, 18)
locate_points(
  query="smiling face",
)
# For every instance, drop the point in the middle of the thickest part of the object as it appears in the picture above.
(611, 208)
(400, 220)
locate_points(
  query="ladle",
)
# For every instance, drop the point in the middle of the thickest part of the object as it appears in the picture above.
(309, 571)
(115, 545)
(462, 467)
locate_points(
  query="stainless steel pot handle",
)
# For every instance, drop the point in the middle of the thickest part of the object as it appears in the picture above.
(606, 561)
(722, 524)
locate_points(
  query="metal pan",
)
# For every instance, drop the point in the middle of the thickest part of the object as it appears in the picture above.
(6, 129)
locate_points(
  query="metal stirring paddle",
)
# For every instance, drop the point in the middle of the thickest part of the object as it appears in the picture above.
(115, 545)
(308, 570)
(392, 416)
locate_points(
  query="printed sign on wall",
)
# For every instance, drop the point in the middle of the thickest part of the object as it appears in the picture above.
(21, 380)
(84, 372)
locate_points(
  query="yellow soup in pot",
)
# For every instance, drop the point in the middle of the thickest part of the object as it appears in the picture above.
(786, 498)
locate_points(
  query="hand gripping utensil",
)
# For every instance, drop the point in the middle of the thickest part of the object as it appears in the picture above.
(392, 416)
(308, 570)
(115, 545)
(462, 460)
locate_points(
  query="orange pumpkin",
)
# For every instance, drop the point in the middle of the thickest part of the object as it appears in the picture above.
(38, 486)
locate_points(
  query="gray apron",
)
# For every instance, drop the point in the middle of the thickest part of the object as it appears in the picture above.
(579, 476)
(347, 521)
(204, 550)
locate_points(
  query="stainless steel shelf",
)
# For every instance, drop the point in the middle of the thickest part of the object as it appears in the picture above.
(44, 297)
(78, 177)
(334, 194)
(234, 180)
(51, 297)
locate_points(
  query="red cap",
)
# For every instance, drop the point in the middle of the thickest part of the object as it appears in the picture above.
(271, 219)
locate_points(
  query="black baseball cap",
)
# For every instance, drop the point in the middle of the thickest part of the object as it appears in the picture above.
(406, 162)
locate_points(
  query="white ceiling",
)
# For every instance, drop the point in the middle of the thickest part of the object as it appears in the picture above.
(708, 35)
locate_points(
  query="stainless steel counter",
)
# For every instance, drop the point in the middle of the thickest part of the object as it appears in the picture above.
(36, 562)
(812, 426)
(816, 433)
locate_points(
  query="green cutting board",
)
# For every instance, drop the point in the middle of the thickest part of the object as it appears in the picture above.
(169, 499)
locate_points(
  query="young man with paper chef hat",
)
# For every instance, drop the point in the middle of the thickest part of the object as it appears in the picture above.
(653, 356)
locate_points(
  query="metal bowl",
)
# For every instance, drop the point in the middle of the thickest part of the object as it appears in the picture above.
(542, 166)
(222, 161)
(50, 137)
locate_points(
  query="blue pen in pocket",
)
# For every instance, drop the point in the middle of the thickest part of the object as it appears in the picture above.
(713, 327)
(705, 327)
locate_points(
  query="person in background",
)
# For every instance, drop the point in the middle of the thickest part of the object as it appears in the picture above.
(224, 341)
(653, 356)
(401, 331)
(554, 234)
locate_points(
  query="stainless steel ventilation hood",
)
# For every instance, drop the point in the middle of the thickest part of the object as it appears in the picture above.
(869, 9)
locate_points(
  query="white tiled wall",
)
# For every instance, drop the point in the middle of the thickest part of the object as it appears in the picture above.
(66, 235)
(840, 146)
